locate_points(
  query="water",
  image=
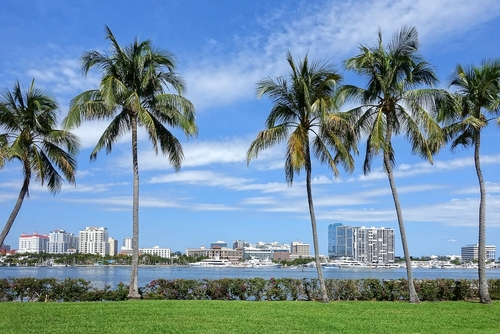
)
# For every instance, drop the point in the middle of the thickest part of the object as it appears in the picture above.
(112, 275)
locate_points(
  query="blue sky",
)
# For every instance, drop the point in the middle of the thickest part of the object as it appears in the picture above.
(223, 48)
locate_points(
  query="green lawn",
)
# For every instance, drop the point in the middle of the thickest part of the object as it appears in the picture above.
(249, 317)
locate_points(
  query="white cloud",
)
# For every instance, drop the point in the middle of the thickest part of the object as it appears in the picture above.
(326, 30)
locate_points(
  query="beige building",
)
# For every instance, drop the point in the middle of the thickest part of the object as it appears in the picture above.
(217, 252)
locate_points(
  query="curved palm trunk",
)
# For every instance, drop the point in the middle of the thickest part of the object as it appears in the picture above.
(134, 288)
(388, 167)
(15, 211)
(322, 285)
(484, 294)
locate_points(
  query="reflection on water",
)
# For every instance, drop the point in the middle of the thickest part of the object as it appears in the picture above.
(112, 275)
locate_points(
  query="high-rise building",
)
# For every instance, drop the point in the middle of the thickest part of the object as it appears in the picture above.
(374, 245)
(471, 252)
(113, 246)
(340, 240)
(239, 244)
(127, 243)
(368, 245)
(33, 243)
(61, 241)
(94, 240)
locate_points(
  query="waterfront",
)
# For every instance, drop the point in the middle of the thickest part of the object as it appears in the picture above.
(112, 275)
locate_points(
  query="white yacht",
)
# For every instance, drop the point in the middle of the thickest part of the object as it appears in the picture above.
(329, 266)
(212, 263)
(348, 263)
(262, 264)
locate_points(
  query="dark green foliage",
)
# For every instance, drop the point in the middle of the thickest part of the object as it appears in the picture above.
(494, 288)
(29, 289)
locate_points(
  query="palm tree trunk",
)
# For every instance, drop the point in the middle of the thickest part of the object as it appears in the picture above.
(324, 294)
(388, 167)
(17, 207)
(484, 295)
(134, 288)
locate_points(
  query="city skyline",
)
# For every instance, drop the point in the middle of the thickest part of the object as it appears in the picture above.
(222, 51)
(208, 245)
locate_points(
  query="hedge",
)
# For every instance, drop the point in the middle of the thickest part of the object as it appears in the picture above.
(29, 289)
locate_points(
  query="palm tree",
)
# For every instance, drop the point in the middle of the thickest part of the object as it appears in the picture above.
(3, 149)
(132, 92)
(302, 113)
(29, 119)
(391, 104)
(477, 95)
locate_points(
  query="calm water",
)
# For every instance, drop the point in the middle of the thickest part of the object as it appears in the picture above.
(111, 275)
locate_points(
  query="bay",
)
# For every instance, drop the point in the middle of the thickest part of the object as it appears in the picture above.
(112, 275)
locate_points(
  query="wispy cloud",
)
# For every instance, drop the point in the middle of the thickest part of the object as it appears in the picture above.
(408, 170)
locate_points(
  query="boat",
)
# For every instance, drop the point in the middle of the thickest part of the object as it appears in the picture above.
(329, 266)
(348, 263)
(262, 264)
(212, 263)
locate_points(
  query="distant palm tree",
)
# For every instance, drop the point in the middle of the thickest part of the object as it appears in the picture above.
(132, 92)
(391, 104)
(302, 114)
(477, 95)
(29, 119)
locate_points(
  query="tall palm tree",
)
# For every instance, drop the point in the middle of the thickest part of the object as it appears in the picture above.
(392, 104)
(477, 95)
(29, 119)
(302, 114)
(132, 92)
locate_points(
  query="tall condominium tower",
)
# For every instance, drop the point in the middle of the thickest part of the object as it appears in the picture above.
(94, 240)
(60, 241)
(368, 245)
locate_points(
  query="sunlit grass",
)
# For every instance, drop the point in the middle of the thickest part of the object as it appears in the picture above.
(249, 317)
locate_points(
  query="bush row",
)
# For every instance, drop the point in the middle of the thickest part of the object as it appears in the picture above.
(70, 289)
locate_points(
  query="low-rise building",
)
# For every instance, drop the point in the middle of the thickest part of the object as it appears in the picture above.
(156, 250)
(471, 252)
(216, 252)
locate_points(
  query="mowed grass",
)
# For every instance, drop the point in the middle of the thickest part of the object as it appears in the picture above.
(147, 316)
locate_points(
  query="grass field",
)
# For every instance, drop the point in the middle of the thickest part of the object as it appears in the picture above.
(249, 317)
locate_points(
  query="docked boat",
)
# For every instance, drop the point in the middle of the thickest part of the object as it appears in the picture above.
(262, 264)
(212, 263)
(329, 266)
(348, 263)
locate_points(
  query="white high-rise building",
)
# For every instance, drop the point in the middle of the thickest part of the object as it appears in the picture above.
(127, 243)
(94, 240)
(374, 245)
(368, 245)
(33, 243)
(61, 241)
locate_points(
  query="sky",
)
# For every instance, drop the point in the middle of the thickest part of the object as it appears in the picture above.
(223, 48)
